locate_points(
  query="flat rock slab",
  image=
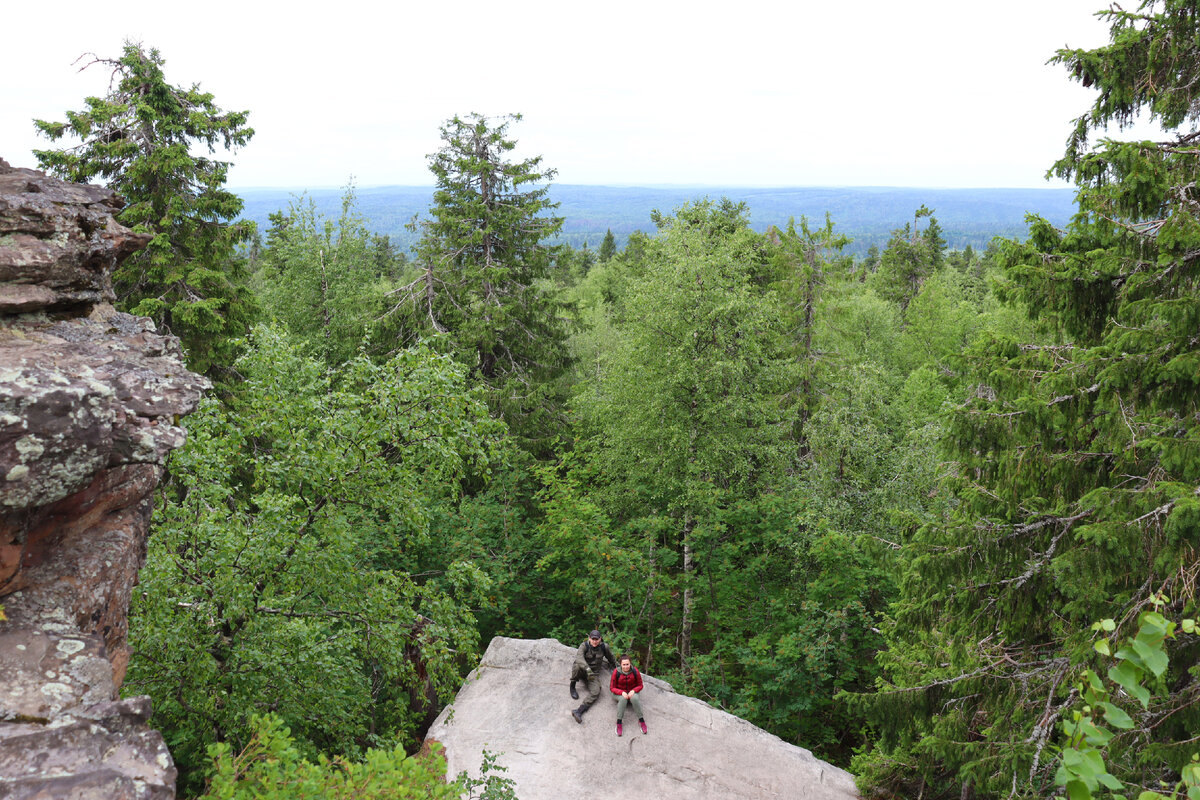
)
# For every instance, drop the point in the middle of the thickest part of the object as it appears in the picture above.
(516, 704)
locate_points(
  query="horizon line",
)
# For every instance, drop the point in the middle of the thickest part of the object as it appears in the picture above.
(664, 186)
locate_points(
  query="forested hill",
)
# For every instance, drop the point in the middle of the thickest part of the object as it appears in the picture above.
(866, 214)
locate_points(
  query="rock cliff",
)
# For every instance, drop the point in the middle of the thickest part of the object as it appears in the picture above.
(89, 398)
(516, 704)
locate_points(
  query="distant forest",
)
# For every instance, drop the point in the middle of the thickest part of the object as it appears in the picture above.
(866, 214)
(929, 510)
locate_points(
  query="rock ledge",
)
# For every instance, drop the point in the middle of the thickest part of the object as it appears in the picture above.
(89, 399)
(516, 704)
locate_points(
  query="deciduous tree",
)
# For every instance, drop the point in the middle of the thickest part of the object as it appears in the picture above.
(325, 280)
(282, 572)
(694, 404)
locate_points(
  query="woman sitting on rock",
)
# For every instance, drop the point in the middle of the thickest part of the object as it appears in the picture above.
(625, 683)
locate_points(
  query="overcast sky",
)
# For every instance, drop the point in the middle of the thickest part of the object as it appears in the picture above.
(937, 93)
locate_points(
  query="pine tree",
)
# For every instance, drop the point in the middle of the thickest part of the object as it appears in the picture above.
(138, 140)
(484, 258)
(1078, 481)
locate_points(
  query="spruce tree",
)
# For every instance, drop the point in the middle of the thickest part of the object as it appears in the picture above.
(138, 139)
(912, 255)
(608, 247)
(484, 259)
(1078, 462)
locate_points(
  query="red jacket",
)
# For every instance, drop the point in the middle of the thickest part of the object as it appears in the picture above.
(621, 682)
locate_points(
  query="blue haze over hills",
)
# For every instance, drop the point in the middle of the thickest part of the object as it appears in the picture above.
(867, 214)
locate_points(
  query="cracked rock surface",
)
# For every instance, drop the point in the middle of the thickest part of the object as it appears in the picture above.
(89, 400)
(516, 704)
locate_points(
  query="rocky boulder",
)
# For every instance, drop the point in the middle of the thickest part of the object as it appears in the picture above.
(516, 704)
(89, 399)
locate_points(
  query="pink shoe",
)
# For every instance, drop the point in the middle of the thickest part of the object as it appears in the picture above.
(641, 722)
(620, 730)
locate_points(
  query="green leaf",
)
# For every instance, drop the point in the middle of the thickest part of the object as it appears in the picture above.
(1130, 655)
(1155, 658)
(1101, 647)
(1078, 790)
(1073, 760)
(1129, 678)
(1094, 734)
(1116, 716)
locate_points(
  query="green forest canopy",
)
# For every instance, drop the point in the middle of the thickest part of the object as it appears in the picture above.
(929, 510)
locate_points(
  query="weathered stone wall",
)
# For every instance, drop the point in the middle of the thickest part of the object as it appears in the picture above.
(89, 398)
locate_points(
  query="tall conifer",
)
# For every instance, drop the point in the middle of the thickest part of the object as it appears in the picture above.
(138, 139)
(1078, 480)
(484, 256)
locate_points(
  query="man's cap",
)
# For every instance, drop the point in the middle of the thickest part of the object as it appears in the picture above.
(594, 635)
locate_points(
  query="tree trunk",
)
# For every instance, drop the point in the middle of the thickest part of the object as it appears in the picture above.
(806, 354)
(326, 314)
(685, 633)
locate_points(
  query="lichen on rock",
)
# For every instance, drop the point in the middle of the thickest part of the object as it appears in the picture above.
(89, 399)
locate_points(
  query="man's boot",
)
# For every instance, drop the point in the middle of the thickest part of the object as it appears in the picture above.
(574, 694)
(577, 713)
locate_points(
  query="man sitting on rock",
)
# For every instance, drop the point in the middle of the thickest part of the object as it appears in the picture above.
(589, 660)
(625, 683)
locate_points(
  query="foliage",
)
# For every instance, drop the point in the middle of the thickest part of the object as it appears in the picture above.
(271, 767)
(608, 247)
(1077, 459)
(282, 575)
(139, 140)
(1082, 769)
(912, 255)
(790, 605)
(326, 282)
(679, 522)
(692, 401)
(800, 259)
(490, 785)
(484, 262)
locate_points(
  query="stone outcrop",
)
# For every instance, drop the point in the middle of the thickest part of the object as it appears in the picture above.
(89, 399)
(516, 704)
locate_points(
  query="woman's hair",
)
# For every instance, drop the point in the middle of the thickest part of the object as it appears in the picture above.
(624, 657)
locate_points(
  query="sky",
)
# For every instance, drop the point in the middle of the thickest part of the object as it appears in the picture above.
(925, 93)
